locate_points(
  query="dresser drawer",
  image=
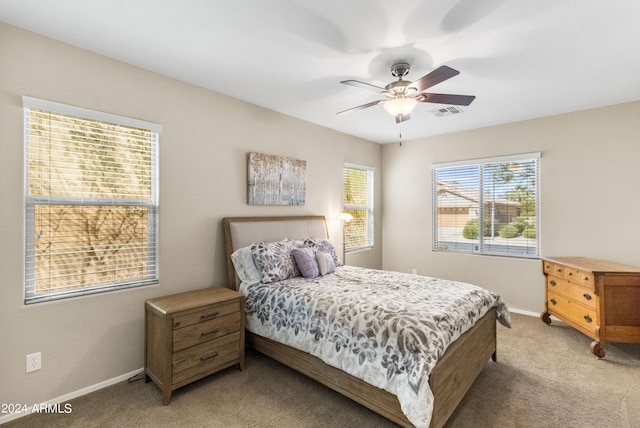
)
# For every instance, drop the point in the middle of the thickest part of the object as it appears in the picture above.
(579, 277)
(205, 357)
(208, 313)
(553, 268)
(569, 310)
(204, 331)
(571, 291)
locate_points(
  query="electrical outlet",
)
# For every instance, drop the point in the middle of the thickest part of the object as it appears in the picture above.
(414, 271)
(34, 362)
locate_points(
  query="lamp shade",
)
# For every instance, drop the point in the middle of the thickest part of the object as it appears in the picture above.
(400, 106)
(345, 217)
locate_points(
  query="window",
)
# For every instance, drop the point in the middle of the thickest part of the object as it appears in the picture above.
(358, 201)
(487, 206)
(91, 201)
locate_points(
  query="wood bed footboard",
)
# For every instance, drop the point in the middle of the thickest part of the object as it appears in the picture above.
(450, 379)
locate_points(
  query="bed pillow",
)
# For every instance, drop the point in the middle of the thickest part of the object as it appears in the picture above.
(325, 261)
(306, 261)
(274, 261)
(242, 260)
(325, 246)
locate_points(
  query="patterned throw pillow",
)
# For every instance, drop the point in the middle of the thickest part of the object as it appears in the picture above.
(306, 261)
(325, 262)
(274, 260)
(325, 246)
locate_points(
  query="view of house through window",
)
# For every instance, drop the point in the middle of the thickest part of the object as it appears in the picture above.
(487, 206)
(358, 201)
(90, 203)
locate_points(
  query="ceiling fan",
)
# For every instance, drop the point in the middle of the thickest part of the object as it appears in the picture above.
(403, 95)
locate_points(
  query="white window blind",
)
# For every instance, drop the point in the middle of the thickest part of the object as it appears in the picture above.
(358, 201)
(91, 201)
(487, 206)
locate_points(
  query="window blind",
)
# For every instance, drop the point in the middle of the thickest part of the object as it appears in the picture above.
(487, 206)
(91, 201)
(358, 201)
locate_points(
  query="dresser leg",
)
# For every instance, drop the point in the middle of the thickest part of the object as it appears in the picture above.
(545, 317)
(597, 349)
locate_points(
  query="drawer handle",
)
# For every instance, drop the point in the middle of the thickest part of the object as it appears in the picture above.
(559, 269)
(214, 331)
(586, 278)
(215, 354)
(570, 273)
(553, 282)
(587, 318)
(211, 315)
(553, 301)
(587, 296)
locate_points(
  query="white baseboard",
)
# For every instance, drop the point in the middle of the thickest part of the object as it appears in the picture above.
(521, 312)
(75, 394)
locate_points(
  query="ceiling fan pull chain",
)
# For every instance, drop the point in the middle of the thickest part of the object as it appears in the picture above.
(400, 136)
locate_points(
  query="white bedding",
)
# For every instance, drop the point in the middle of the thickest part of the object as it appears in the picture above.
(386, 328)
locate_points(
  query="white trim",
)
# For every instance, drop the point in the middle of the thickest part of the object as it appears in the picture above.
(358, 166)
(36, 103)
(479, 161)
(75, 394)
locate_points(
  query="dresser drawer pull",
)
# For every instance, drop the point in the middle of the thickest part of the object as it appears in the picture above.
(587, 318)
(215, 354)
(553, 301)
(211, 315)
(552, 282)
(214, 331)
(587, 296)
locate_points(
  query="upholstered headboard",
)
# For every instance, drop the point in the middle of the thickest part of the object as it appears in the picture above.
(242, 231)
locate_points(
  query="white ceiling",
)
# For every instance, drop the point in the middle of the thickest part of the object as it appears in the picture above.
(521, 58)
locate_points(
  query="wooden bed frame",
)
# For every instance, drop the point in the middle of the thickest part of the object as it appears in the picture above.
(450, 379)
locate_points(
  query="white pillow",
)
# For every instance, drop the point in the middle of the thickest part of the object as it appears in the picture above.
(326, 263)
(245, 267)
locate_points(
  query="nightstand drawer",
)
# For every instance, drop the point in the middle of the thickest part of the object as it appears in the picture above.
(572, 291)
(211, 312)
(209, 356)
(205, 331)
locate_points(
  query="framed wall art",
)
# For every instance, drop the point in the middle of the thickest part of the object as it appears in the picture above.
(275, 180)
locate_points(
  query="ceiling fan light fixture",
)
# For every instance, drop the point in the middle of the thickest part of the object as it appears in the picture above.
(400, 106)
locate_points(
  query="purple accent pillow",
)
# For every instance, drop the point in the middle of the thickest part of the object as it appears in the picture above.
(306, 261)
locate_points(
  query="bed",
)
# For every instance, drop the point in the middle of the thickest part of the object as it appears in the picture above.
(449, 375)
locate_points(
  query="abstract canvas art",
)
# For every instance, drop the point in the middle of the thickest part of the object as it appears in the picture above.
(275, 180)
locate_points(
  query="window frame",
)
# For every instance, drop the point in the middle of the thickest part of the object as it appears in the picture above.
(481, 164)
(151, 205)
(368, 207)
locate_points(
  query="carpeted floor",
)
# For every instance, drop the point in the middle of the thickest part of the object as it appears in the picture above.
(545, 377)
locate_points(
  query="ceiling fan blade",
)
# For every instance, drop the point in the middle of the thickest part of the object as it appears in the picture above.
(371, 104)
(438, 75)
(402, 118)
(457, 100)
(363, 85)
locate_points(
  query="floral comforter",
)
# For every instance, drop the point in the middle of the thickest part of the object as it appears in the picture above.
(386, 328)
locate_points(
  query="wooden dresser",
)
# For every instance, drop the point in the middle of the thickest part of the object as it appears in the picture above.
(601, 299)
(191, 335)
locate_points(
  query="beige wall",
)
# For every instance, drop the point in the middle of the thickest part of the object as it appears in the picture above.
(203, 147)
(589, 177)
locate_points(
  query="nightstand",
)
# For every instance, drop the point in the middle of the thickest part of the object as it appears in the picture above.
(191, 335)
